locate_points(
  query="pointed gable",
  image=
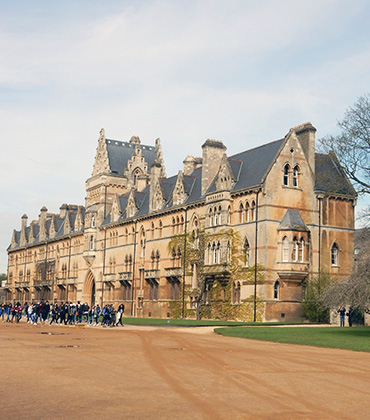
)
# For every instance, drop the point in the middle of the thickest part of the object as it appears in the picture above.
(225, 176)
(131, 208)
(116, 210)
(179, 194)
(101, 164)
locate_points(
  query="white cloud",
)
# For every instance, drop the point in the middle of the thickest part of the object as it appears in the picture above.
(240, 71)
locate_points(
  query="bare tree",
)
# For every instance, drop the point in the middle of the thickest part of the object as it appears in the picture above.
(352, 146)
(356, 290)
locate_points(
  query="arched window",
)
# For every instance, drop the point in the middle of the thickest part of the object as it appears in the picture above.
(286, 174)
(152, 258)
(285, 253)
(152, 230)
(253, 212)
(157, 259)
(247, 212)
(210, 217)
(228, 215)
(173, 226)
(246, 252)
(91, 242)
(228, 252)
(160, 228)
(295, 176)
(218, 253)
(276, 290)
(237, 292)
(295, 249)
(301, 255)
(334, 254)
(241, 213)
(93, 222)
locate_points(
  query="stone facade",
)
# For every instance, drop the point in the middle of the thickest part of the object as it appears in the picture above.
(293, 209)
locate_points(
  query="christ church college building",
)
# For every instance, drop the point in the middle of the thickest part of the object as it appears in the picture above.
(255, 227)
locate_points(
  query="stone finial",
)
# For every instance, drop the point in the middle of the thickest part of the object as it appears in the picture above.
(135, 140)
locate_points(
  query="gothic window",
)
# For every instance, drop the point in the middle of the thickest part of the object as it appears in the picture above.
(253, 211)
(152, 230)
(136, 175)
(160, 228)
(210, 217)
(286, 174)
(178, 258)
(126, 263)
(182, 224)
(173, 226)
(228, 252)
(276, 290)
(247, 212)
(91, 242)
(152, 257)
(157, 260)
(228, 215)
(215, 216)
(334, 254)
(241, 213)
(93, 221)
(246, 253)
(173, 257)
(301, 255)
(218, 253)
(295, 250)
(130, 262)
(295, 176)
(236, 292)
(285, 254)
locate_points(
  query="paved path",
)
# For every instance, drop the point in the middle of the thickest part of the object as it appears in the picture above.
(174, 373)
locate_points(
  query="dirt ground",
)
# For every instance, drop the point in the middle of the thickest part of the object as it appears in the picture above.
(173, 373)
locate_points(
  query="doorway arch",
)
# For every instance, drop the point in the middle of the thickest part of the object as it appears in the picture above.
(89, 289)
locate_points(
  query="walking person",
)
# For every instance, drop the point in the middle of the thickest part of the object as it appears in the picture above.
(119, 314)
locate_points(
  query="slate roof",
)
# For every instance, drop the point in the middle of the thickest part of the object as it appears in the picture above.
(120, 152)
(292, 220)
(329, 176)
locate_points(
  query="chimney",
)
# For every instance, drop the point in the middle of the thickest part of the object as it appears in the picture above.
(63, 210)
(306, 136)
(213, 150)
(191, 163)
(23, 240)
(42, 224)
(155, 175)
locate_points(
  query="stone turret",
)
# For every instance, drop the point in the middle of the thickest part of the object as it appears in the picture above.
(213, 150)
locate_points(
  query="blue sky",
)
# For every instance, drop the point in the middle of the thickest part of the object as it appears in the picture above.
(243, 72)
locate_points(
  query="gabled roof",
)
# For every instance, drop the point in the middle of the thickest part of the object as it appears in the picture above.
(120, 152)
(254, 164)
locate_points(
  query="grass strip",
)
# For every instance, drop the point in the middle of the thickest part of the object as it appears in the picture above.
(355, 338)
(191, 322)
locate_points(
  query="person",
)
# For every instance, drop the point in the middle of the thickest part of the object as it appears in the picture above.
(119, 314)
(97, 314)
(342, 313)
(349, 314)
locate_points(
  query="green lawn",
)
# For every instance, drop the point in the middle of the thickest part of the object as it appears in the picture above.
(355, 338)
(193, 322)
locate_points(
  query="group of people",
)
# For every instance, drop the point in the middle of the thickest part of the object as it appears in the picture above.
(67, 313)
(343, 313)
